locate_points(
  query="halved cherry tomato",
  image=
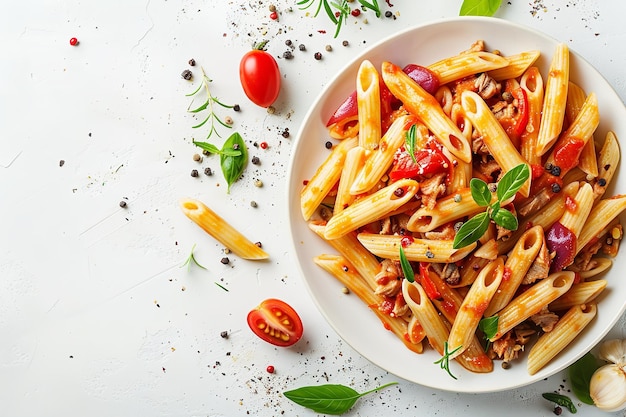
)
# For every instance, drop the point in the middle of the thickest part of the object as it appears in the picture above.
(427, 162)
(276, 322)
(260, 76)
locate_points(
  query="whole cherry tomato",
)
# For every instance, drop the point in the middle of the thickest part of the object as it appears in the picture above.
(276, 322)
(260, 76)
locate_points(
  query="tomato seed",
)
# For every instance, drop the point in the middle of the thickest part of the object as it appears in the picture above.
(73, 41)
(270, 369)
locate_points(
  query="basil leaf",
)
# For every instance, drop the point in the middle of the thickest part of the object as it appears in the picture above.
(505, 218)
(233, 166)
(580, 373)
(479, 7)
(471, 230)
(332, 399)
(410, 142)
(512, 181)
(407, 269)
(562, 400)
(489, 326)
(480, 192)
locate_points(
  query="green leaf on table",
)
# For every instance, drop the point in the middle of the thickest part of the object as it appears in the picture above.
(471, 230)
(332, 399)
(407, 269)
(233, 165)
(479, 7)
(580, 373)
(562, 400)
(480, 192)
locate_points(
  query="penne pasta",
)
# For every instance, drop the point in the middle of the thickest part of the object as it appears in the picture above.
(601, 215)
(532, 83)
(517, 65)
(418, 250)
(465, 64)
(351, 167)
(219, 229)
(368, 103)
(575, 101)
(447, 209)
(552, 343)
(371, 207)
(554, 100)
(578, 294)
(532, 301)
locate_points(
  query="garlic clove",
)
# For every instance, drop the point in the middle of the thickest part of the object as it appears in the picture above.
(608, 388)
(614, 351)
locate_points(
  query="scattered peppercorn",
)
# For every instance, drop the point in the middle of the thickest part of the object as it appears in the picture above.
(558, 410)
(208, 171)
(288, 42)
(556, 171)
(355, 12)
(272, 8)
(271, 110)
(285, 133)
(328, 48)
(274, 16)
(123, 204)
(263, 145)
(194, 173)
(344, 268)
(228, 120)
(345, 43)
(318, 56)
(192, 62)
(302, 47)
(197, 157)
(287, 55)
(74, 41)
(61, 162)
(255, 160)
(429, 254)
(328, 144)
(345, 290)
(258, 244)
(258, 183)
(225, 260)
(253, 204)
(235, 146)
(224, 334)
(206, 152)
(388, 13)
(556, 188)
(187, 75)
(236, 107)
(505, 365)
(398, 192)
(601, 182)
(270, 369)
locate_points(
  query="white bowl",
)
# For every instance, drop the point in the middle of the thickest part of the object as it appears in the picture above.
(347, 314)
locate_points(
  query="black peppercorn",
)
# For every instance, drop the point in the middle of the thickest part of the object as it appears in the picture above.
(208, 171)
(187, 75)
(388, 13)
(225, 260)
(224, 334)
(236, 107)
(328, 144)
(123, 204)
(302, 47)
(288, 42)
(318, 56)
(255, 160)
(287, 55)
(192, 62)
(194, 173)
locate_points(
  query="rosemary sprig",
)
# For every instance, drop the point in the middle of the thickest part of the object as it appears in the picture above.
(338, 12)
(444, 361)
(192, 259)
(208, 105)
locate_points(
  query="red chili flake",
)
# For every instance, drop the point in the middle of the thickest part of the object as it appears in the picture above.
(270, 369)
(337, 14)
(406, 241)
(73, 41)
(355, 12)
(305, 182)
(273, 15)
(263, 145)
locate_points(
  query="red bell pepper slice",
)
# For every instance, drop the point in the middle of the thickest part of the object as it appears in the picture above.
(429, 286)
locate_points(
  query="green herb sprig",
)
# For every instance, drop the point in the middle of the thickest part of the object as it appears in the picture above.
(208, 104)
(334, 399)
(409, 141)
(338, 12)
(191, 259)
(508, 186)
(444, 361)
(489, 327)
(407, 269)
(562, 400)
(479, 7)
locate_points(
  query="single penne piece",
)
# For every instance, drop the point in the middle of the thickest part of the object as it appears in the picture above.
(517, 65)
(554, 100)
(600, 265)
(608, 161)
(603, 213)
(325, 178)
(550, 344)
(465, 64)
(345, 273)
(418, 250)
(447, 209)
(474, 304)
(437, 329)
(444, 98)
(575, 219)
(371, 207)
(378, 160)
(368, 104)
(575, 100)
(566, 151)
(517, 264)
(350, 248)
(493, 135)
(532, 301)
(220, 230)
(423, 105)
(532, 83)
(581, 293)
(352, 166)
(469, 271)
(544, 218)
